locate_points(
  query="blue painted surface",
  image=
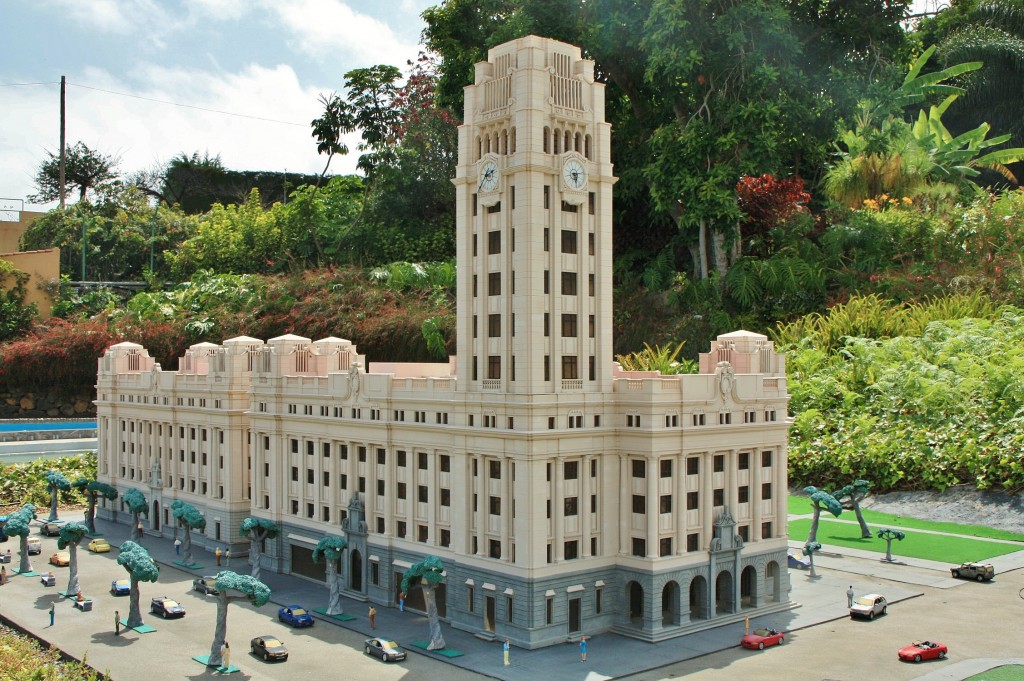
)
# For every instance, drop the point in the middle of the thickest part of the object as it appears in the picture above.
(60, 425)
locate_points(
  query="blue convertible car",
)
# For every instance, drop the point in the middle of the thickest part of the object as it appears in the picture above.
(295, 615)
(121, 587)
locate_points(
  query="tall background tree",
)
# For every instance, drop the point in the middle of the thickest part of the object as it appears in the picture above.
(427, 574)
(17, 525)
(141, 568)
(85, 170)
(330, 549)
(820, 500)
(93, 490)
(257, 530)
(138, 506)
(55, 484)
(231, 587)
(188, 518)
(71, 535)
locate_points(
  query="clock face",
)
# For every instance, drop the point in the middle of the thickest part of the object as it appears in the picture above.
(489, 177)
(574, 174)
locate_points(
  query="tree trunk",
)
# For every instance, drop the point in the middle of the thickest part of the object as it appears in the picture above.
(136, 529)
(888, 550)
(719, 252)
(90, 514)
(188, 544)
(334, 580)
(254, 556)
(865, 532)
(53, 503)
(73, 587)
(702, 243)
(436, 639)
(813, 534)
(220, 632)
(25, 565)
(134, 613)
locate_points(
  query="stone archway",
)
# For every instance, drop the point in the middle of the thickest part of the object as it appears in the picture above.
(156, 516)
(670, 605)
(699, 598)
(748, 588)
(772, 582)
(636, 603)
(723, 593)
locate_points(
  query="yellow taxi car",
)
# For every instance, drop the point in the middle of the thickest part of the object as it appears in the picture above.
(61, 559)
(99, 545)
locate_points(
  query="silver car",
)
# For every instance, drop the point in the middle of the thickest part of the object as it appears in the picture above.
(868, 606)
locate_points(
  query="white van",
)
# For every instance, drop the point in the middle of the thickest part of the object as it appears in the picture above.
(35, 546)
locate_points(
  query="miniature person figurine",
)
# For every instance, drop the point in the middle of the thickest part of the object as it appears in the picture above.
(79, 596)
(217, 554)
(401, 602)
(8, 555)
(3, 575)
(117, 623)
(225, 656)
(849, 597)
(504, 649)
(177, 546)
(227, 558)
(373, 617)
(583, 649)
(53, 611)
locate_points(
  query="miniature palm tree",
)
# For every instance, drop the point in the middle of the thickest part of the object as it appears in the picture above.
(71, 534)
(819, 499)
(93, 490)
(850, 497)
(137, 504)
(189, 518)
(428, 573)
(257, 529)
(141, 568)
(810, 548)
(55, 483)
(330, 549)
(244, 586)
(888, 535)
(18, 526)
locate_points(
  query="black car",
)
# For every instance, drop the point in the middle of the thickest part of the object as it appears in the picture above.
(50, 529)
(205, 585)
(166, 607)
(386, 650)
(269, 648)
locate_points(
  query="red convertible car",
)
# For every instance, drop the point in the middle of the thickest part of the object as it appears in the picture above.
(760, 638)
(923, 650)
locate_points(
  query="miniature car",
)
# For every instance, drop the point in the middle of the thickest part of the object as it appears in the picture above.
(121, 587)
(35, 546)
(387, 651)
(165, 607)
(869, 606)
(50, 529)
(206, 585)
(797, 563)
(295, 615)
(99, 545)
(61, 559)
(761, 638)
(269, 648)
(923, 650)
(982, 572)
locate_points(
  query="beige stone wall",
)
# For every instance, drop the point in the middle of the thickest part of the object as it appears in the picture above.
(43, 269)
(10, 232)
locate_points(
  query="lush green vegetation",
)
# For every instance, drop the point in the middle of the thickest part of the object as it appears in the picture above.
(801, 505)
(25, 483)
(23, 659)
(1006, 672)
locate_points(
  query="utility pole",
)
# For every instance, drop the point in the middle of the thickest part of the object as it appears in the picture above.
(63, 90)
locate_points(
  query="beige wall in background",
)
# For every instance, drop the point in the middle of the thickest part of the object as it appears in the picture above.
(42, 268)
(10, 232)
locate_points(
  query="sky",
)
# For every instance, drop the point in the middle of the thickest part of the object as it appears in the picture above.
(262, 63)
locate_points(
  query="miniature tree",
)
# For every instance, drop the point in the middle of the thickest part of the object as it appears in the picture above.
(821, 499)
(18, 526)
(55, 483)
(189, 518)
(71, 534)
(246, 587)
(850, 497)
(888, 535)
(330, 548)
(810, 548)
(93, 490)
(141, 567)
(257, 529)
(138, 505)
(428, 573)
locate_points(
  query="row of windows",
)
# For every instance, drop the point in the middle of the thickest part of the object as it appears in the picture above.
(665, 544)
(569, 325)
(693, 499)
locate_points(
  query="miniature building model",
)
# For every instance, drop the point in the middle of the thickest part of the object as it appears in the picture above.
(563, 495)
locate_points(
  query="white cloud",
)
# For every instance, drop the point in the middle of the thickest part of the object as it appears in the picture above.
(220, 10)
(143, 133)
(119, 17)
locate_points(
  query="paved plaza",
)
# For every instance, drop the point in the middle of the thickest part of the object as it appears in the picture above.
(917, 590)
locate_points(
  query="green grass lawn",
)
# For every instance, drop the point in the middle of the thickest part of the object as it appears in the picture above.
(799, 505)
(1008, 672)
(938, 547)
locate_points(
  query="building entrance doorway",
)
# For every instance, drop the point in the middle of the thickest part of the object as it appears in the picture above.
(575, 615)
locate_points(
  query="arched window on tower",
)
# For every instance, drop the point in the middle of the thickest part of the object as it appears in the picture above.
(479, 148)
(568, 141)
(512, 141)
(558, 143)
(547, 140)
(586, 146)
(578, 143)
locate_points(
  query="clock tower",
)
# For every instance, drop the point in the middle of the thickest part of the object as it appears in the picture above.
(534, 225)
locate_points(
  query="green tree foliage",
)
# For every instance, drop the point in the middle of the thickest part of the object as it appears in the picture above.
(93, 490)
(427, 574)
(84, 169)
(26, 482)
(71, 535)
(232, 586)
(56, 483)
(188, 518)
(15, 315)
(137, 504)
(663, 359)
(821, 501)
(257, 530)
(24, 659)
(317, 222)
(330, 549)
(850, 497)
(17, 525)
(141, 568)
(889, 535)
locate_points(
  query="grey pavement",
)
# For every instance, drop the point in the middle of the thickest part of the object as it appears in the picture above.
(816, 600)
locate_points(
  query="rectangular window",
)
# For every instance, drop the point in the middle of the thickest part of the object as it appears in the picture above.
(549, 606)
(326, 478)
(592, 368)
(693, 542)
(494, 242)
(494, 470)
(590, 237)
(362, 455)
(719, 463)
(295, 474)
(568, 326)
(590, 325)
(446, 463)
(400, 491)
(494, 284)
(422, 533)
(766, 530)
(639, 503)
(744, 532)
(666, 468)
(547, 281)
(568, 241)
(571, 550)
(590, 284)
(547, 203)
(766, 459)
(494, 505)
(547, 377)
(743, 494)
(475, 291)
(494, 325)
(766, 490)
(718, 498)
(639, 468)
(423, 494)
(547, 233)
(446, 538)
(598, 594)
(401, 458)
(570, 367)
(494, 366)
(692, 499)
(381, 454)
(692, 465)
(422, 461)
(744, 461)
(446, 497)
(572, 470)
(665, 547)
(568, 283)
(570, 207)
(665, 503)
(474, 245)
(380, 488)
(547, 324)
(494, 549)
(639, 547)
(508, 608)
(571, 506)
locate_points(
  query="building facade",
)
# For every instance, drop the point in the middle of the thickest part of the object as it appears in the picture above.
(566, 497)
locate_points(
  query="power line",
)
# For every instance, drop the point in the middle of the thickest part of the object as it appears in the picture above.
(190, 106)
(48, 82)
